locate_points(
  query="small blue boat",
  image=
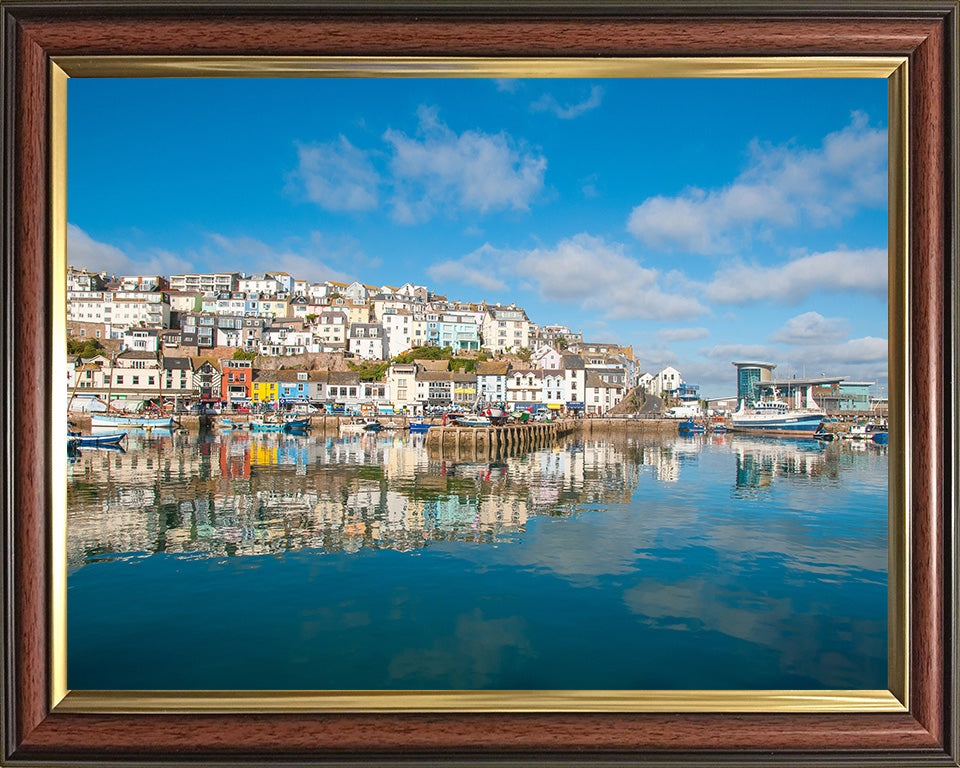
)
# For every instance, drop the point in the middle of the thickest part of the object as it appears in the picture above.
(419, 427)
(265, 427)
(880, 438)
(298, 424)
(691, 428)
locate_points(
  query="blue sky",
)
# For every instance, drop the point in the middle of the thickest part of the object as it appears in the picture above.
(701, 221)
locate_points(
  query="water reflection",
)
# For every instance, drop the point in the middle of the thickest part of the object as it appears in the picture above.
(247, 493)
(368, 562)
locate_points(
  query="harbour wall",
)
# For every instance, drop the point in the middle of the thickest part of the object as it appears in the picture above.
(331, 423)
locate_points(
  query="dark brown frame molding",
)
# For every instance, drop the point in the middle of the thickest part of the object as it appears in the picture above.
(925, 32)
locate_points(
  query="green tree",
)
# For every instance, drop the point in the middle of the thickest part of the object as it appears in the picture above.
(239, 354)
(524, 354)
(84, 347)
(562, 342)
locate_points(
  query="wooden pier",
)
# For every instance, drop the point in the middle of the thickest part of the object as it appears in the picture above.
(492, 440)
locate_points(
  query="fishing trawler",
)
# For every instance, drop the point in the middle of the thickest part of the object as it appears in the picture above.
(776, 417)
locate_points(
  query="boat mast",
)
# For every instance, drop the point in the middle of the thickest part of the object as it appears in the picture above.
(110, 382)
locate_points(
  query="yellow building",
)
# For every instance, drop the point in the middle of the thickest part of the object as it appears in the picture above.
(264, 387)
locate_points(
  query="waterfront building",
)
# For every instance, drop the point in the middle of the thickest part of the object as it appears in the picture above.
(524, 389)
(796, 392)
(722, 404)
(177, 379)
(236, 382)
(435, 388)
(464, 389)
(749, 374)
(264, 388)
(207, 378)
(574, 382)
(492, 380)
(402, 384)
(844, 396)
(293, 387)
(553, 386)
(343, 392)
(600, 395)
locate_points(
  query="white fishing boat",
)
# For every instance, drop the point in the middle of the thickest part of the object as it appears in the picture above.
(473, 421)
(360, 426)
(776, 417)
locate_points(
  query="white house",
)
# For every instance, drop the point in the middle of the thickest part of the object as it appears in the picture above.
(546, 358)
(367, 341)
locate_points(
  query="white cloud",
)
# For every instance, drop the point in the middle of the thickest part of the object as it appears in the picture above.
(781, 186)
(307, 261)
(739, 352)
(833, 271)
(473, 170)
(506, 84)
(811, 328)
(83, 252)
(683, 334)
(583, 270)
(547, 103)
(473, 269)
(337, 176)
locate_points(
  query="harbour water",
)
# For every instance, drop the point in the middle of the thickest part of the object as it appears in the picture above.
(252, 561)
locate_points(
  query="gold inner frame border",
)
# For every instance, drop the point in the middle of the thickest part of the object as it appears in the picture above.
(895, 699)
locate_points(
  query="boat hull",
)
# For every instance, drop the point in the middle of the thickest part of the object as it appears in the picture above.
(104, 420)
(113, 438)
(785, 425)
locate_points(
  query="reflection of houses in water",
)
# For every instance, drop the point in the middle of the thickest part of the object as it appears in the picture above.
(248, 493)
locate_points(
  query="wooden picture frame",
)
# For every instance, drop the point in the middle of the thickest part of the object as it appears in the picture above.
(36, 33)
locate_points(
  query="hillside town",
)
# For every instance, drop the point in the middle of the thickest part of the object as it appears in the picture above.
(270, 340)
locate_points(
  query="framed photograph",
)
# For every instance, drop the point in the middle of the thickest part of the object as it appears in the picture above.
(465, 384)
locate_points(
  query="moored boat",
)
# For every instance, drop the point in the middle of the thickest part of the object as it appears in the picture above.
(690, 427)
(361, 426)
(103, 439)
(129, 421)
(472, 420)
(300, 424)
(419, 427)
(775, 417)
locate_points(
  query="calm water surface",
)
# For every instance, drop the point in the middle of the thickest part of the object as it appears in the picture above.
(246, 561)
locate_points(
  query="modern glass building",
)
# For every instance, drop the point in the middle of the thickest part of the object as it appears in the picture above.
(749, 374)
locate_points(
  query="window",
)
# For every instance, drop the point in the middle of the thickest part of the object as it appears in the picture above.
(150, 379)
(136, 380)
